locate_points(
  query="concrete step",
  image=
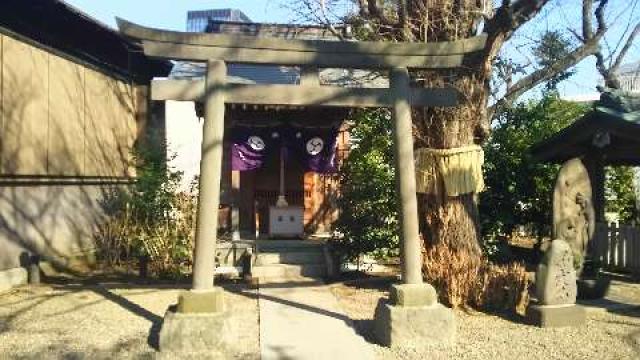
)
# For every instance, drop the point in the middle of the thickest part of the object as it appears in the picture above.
(294, 258)
(289, 246)
(289, 271)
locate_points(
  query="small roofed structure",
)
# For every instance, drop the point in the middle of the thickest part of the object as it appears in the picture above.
(607, 135)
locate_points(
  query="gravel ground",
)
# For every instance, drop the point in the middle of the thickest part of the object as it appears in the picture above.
(105, 321)
(606, 335)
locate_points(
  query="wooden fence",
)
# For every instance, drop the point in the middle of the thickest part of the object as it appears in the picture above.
(617, 247)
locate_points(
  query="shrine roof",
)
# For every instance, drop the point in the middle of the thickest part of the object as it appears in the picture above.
(611, 128)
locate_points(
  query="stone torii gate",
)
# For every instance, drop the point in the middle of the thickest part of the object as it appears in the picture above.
(413, 310)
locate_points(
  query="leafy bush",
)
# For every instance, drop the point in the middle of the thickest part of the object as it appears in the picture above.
(150, 220)
(368, 218)
(620, 193)
(511, 199)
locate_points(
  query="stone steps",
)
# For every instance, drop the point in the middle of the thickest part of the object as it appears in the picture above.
(294, 258)
(276, 271)
(288, 245)
(281, 259)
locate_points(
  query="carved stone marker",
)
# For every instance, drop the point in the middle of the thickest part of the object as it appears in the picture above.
(556, 277)
(556, 289)
(573, 229)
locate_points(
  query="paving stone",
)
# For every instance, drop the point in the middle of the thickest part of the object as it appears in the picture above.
(301, 319)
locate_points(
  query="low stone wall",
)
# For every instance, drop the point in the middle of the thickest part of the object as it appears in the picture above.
(56, 222)
(12, 277)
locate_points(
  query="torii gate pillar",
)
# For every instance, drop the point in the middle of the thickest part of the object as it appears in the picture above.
(412, 315)
(204, 297)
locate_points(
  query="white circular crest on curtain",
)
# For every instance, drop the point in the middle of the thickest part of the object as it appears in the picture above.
(256, 143)
(315, 146)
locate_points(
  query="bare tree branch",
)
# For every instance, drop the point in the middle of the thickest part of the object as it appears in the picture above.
(625, 48)
(507, 19)
(377, 13)
(587, 22)
(591, 47)
(511, 16)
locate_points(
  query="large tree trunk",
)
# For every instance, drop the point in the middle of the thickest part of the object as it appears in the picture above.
(452, 221)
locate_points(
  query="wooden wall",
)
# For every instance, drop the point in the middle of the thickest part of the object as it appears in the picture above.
(617, 247)
(59, 118)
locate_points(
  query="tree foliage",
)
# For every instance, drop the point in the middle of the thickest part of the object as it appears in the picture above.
(620, 193)
(553, 45)
(368, 217)
(518, 188)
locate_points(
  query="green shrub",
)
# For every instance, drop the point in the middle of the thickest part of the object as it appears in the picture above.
(150, 219)
(368, 214)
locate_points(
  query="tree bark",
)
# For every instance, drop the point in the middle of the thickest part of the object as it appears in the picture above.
(452, 221)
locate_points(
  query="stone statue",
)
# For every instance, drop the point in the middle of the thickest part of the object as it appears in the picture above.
(573, 228)
(573, 212)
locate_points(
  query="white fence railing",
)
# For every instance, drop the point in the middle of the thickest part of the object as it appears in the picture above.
(617, 247)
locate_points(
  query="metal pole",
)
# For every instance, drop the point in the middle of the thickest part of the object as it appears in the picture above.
(405, 178)
(210, 169)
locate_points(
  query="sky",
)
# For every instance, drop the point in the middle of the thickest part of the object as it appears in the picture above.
(171, 14)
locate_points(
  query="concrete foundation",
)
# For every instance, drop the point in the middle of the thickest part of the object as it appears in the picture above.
(12, 277)
(201, 302)
(193, 334)
(415, 326)
(413, 318)
(413, 295)
(556, 315)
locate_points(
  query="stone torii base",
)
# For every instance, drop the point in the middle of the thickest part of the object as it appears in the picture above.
(413, 317)
(196, 325)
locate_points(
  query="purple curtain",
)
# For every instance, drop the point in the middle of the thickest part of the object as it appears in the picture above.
(314, 148)
(250, 147)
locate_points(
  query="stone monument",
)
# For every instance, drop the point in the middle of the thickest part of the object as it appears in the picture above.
(573, 208)
(556, 289)
(573, 230)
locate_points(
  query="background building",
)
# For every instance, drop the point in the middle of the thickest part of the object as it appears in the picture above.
(629, 76)
(198, 20)
(73, 102)
(314, 194)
